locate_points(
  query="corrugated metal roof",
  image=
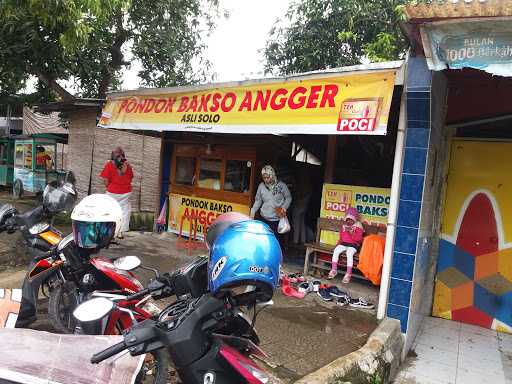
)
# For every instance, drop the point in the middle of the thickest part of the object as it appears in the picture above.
(442, 9)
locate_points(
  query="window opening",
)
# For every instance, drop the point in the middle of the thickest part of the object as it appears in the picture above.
(238, 176)
(185, 170)
(210, 174)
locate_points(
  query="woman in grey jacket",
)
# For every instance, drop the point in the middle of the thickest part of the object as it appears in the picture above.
(273, 198)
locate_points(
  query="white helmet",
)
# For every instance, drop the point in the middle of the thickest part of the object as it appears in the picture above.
(96, 219)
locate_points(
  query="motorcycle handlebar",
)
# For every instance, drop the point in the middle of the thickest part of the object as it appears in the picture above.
(159, 287)
(138, 295)
(109, 352)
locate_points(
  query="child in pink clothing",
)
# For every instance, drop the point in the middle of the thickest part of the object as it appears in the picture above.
(351, 236)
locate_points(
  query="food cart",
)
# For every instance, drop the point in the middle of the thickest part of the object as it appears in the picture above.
(35, 164)
(6, 160)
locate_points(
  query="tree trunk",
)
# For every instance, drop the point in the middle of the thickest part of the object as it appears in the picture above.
(52, 84)
(117, 57)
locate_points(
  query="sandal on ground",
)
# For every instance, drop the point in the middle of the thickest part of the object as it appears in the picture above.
(296, 277)
(332, 274)
(334, 291)
(361, 303)
(346, 278)
(288, 290)
(284, 281)
(342, 301)
(324, 294)
(305, 287)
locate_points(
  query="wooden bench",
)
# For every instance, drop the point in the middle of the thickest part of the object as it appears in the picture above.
(317, 247)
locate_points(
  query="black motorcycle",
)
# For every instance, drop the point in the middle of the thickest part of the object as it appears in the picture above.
(42, 241)
(193, 333)
(194, 318)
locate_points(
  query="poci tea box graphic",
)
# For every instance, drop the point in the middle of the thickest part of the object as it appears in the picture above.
(359, 114)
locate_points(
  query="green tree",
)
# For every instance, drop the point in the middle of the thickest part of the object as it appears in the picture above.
(90, 42)
(320, 34)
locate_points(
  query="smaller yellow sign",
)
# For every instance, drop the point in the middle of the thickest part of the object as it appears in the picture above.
(183, 209)
(371, 203)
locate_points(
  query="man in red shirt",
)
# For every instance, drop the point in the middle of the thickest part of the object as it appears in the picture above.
(118, 175)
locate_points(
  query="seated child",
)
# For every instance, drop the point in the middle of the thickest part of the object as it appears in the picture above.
(351, 236)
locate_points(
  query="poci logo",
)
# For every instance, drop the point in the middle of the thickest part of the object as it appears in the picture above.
(209, 378)
(217, 268)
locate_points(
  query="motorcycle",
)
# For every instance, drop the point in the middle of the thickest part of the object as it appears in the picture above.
(189, 282)
(191, 331)
(40, 238)
(65, 273)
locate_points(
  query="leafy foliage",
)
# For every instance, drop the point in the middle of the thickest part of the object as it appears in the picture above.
(319, 34)
(89, 42)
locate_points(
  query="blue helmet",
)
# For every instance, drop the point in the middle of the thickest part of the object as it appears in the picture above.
(246, 253)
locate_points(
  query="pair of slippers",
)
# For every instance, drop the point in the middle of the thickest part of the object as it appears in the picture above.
(330, 293)
(342, 298)
(310, 286)
(302, 289)
(292, 278)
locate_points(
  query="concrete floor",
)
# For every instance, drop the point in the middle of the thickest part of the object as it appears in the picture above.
(448, 352)
(299, 336)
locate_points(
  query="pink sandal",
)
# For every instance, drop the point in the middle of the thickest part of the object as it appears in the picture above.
(346, 278)
(332, 274)
(288, 290)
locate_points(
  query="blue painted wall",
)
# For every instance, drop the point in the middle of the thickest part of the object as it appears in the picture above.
(414, 256)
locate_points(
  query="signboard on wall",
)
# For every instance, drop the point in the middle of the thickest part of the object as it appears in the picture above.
(182, 209)
(371, 203)
(356, 103)
(480, 44)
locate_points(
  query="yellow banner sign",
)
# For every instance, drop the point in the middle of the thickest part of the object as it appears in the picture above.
(183, 209)
(371, 203)
(335, 104)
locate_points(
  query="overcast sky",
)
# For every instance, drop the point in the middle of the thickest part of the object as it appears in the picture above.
(235, 46)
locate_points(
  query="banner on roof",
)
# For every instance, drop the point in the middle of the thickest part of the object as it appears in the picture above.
(480, 44)
(341, 104)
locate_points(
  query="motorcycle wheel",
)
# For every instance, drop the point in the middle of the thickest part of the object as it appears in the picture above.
(156, 368)
(63, 300)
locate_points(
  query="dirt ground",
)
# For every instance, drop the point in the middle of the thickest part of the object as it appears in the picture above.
(299, 335)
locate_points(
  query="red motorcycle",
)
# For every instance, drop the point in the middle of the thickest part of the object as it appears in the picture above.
(79, 276)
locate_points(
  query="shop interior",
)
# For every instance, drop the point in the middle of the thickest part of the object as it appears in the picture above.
(227, 167)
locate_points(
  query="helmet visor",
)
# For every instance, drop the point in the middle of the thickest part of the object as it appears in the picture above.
(93, 234)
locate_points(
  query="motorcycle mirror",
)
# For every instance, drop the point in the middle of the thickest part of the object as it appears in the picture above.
(127, 263)
(94, 309)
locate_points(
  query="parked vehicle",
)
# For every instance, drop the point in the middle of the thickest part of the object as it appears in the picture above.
(41, 239)
(36, 164)
(66, 272)
(198, 332)
(95, 221)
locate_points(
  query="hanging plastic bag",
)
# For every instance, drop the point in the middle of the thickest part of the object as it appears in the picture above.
(284, 225)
